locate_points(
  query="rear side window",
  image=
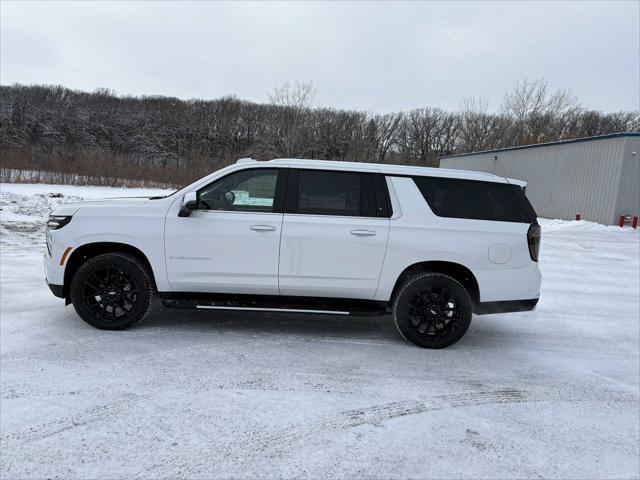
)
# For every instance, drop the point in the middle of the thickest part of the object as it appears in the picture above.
(455, 198)
(338, 193)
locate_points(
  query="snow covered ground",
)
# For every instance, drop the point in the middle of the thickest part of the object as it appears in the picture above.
(548, 394)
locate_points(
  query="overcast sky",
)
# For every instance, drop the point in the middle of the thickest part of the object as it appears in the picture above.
(379, 57)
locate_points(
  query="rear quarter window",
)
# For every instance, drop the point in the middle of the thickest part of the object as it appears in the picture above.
(455, 198)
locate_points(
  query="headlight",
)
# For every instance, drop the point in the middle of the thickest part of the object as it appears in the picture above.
(56, 222)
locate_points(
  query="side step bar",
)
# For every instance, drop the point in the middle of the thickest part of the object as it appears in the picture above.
(268, 303)
(264, 309)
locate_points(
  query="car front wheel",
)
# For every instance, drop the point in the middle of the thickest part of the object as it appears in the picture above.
(432, 310)
(112, 291)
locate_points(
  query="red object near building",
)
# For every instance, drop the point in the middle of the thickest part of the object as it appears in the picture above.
(578, 216)
(635, 222)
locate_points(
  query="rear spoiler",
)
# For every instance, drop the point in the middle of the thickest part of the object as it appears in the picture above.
(521, 183)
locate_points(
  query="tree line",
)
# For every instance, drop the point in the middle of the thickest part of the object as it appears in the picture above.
(51, 132)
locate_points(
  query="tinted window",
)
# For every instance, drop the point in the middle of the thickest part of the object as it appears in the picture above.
(335, 193)
(329, 193)
(383, 204)
(450, 197)
(244, 191)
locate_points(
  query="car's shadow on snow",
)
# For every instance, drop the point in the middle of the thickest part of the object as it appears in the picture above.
(374, 329)
(379, 327)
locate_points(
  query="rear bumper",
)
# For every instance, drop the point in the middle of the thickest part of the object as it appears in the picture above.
(509, 284)
(486, 308)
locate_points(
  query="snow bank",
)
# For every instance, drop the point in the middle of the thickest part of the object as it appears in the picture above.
(551, 225)
(82, 192)
(24, 207)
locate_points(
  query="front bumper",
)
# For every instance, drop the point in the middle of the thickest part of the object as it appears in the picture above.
(57, 290)
(54, 275)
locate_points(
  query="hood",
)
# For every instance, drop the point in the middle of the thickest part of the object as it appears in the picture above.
(73, 207)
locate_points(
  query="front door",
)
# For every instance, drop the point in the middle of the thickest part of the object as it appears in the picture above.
(231, 242)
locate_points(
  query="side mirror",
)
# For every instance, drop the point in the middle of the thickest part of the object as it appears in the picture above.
(189, 204)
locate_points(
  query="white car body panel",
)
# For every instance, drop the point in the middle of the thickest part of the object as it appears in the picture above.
(212, 251)
(309, 255)
(332, 256)
(418, 235)
(138, 223)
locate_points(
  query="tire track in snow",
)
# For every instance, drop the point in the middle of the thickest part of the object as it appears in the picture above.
(263, 442)
(69, 422)
(193, 384)
(378, 414)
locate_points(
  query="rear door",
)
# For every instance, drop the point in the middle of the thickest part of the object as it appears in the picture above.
(334, 234)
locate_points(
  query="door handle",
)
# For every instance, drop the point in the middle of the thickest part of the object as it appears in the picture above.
(262, 228)
(363, 233)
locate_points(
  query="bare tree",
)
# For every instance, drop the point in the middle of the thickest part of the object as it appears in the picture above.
(294, 103)
(385, 129)
(537, 114)
(50, 133)
(480, 129)
(419, 132)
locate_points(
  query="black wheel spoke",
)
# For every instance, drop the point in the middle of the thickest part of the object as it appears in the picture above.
(116, 289)
(433, 312)
(91, 278)
(444, 298)
(423, 327)
(121, 306)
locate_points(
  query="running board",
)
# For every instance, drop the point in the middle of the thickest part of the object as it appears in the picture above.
(268, 303)
(264, 309)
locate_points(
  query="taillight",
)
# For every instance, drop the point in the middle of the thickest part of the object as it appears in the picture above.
(533, 240)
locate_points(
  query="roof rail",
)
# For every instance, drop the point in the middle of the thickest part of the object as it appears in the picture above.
(245, 160)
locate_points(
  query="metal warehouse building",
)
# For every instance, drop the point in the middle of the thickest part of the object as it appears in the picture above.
(597, 177)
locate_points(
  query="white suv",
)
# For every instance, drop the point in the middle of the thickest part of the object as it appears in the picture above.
(430, 246)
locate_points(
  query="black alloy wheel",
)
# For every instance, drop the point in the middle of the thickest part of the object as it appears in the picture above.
(432, 310)
(112, 291)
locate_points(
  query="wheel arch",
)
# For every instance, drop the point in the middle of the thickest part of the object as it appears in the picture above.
(90, 250)
(455, 270)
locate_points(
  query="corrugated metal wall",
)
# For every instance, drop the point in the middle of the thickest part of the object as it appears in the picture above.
(564, 179)
(628, 202)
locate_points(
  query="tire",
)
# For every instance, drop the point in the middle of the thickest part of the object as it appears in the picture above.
(112, 291)
(432, 310)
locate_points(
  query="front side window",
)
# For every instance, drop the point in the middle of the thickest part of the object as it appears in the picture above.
(244, 191)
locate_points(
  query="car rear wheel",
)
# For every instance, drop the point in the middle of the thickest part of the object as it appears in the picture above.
(432, 310)
(112, 291)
